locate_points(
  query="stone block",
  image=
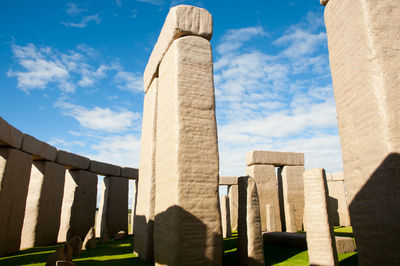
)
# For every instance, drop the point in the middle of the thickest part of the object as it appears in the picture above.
(40, 150)
(15, 168)
(72, 161)
(250, 240)
(105, 169)
(181, 20)
(62, 254)
(128, 172)
(275, 158)
(79, 204)
(187, 225)
(320, 237)
(335, 176)
(133, 204)
(76, 245)
(338, 211)
(43, 205)
(344, 244)
(9, 135)
(228, 180)
(225, 216)
(90, 240)
(233, 205)
(271, 218)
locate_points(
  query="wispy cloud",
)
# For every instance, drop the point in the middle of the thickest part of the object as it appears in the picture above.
(84, 22)
(129, 81)
(153, 2)
(233, 39)
(74, 10)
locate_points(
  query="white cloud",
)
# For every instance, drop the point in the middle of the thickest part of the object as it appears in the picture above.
(84, 22)
(152, 2)
(233, 39)
(74, 10)
(129, 81)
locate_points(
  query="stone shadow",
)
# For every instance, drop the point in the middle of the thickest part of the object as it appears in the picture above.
(333, 213)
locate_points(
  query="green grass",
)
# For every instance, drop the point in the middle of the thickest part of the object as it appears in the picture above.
(121, 253)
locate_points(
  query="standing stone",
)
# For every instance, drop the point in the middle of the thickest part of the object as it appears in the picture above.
(364, 53)
(101, 214)
(267, 187)
(15, 167)
(187, 225)
(293, 196)
(320, 238)
(144, 216)
(79, 204)
(76, 245)
(133, 206)
(250, 240)
(113, 210)
(338, 211)
(90, 240)
(271, 220)
(43, 205)
(233, 205)
(225, 216)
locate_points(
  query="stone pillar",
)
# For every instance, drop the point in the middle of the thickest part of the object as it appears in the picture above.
(187, 226)
(364, 53)
(113, 209)
(250, 239)
(338, 211)
(271, 220)
(79, 204)
(43, 205)
(233, 205)
(15, 167)
(134, 199)
(293, 197)
(225, 216)
(320, 238)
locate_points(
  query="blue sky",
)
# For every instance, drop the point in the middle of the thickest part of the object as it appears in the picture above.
(71, 75)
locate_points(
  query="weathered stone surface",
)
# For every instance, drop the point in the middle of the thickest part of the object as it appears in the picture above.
(335, 176)
(105, 169)
(233, 205)
(187, 225)
(120, 235)
(228, 180)
(271, 218)
(79, 204)
(104, 237)
(364, 52)
(128, 172)
(320, 237)
(338, 211)
(250, 240)
(40, 150)
(181, 20)
(63, 253)
(9, 135)
(344, 244)
(293, 195)
(15, 167)
(133, 205)
(72, 161)
(43, 205)
(90, 240)
(144, 217)
(225, 216)
(267, 187)
(275, 158)
(76, 245)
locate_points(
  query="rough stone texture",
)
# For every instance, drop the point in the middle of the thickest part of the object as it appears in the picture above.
(338, 211)
(90, 240)
(181, 20)
(233, 205)
(9, 135)
(105, 169)
(228, 180)
(344, 244)
(133, 205)
(293, 195)
(131, 173)
(275, 158)
(76, 245)
(15, 167)
(40, 150)
(101, 215)
(320, 237)
(250, 240)
(267, 187)
(63, 253)
(271, 218)
(225, 216)
(72, 161)
(335, 176)
(113, 208)
(79, 204)
(187, 225)
(43, 205)
(364, 54)
(144, 217)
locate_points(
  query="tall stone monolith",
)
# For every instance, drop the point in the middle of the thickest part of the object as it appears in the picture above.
(338, 210)
(15, 167)
(364, 54)
(133, 203)
(225, 216)
(320, 238)
(43, 205)
(233, 205)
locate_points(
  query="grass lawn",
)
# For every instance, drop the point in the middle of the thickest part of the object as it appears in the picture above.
(120, 253)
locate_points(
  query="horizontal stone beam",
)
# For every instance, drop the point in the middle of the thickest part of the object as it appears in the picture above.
(335, 177)
(38, 149)
(181, 20)
(275, 158)
(72, 161)
(9, 135)
(128, 172)
(105, 169)
(228, 180)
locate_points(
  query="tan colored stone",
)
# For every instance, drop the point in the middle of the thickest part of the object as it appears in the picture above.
(76, 245)
(250, 241)
(275, 158)
(181, 20)
(187, 225)
(105, 169)
(225, 216)
(338, 211)
(43, 205)
(335, 176)
(128, 172)
(133, 205)
(40, 150)
(267, 187)
(72, 161)
(293, 196)
(9, 135)
(15, 167)
(271, 218)
(320, 237)
(233, 205)
(120, 235)
(228, 180)
(90, 240)
(344, 244)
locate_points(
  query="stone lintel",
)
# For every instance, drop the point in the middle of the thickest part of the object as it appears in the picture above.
(228, 180)
(181, 20)
(275, 158)
(128, 172)
(40, 150)
(335, 177)
(71, 160)
(9, 135)
(105, 169)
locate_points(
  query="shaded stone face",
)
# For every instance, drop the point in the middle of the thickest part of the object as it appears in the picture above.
(225, 216)
(233, 205)
(338, 211)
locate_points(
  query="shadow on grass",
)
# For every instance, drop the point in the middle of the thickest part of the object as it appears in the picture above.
(276, 253)
(126, 261)
(29, 256)
(349, 261)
